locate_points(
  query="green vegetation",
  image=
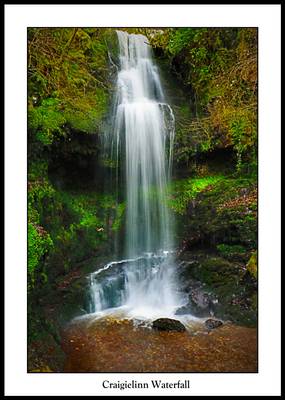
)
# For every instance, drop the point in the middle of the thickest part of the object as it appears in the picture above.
(81, 224)
(120, 209)
(68, 94)
(218, 66)
(69, 89)
(68, 225)
(252, 265)
(39, 243)
(230, 250)
(228, 282)
(68, 81)
(218, 211)
(188, 189)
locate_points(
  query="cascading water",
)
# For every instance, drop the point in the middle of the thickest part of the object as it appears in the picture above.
(141, 141)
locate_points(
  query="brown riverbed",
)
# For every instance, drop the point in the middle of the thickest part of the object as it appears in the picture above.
(111, 345)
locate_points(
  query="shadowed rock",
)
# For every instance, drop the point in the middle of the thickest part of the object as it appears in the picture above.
(168, 324)
(200, 304)
(213, 323)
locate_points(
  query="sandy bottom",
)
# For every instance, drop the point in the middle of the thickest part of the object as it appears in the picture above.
(109, 345)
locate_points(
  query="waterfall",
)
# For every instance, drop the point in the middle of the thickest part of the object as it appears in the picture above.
(141, 136)
(140, 143)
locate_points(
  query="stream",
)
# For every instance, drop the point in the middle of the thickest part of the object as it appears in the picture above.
(113, 345)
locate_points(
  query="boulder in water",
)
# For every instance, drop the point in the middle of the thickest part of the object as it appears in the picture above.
(213, 323)
(168, 324)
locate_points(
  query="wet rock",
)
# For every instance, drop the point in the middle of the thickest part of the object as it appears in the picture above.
(231, 287)
(200, 304)
(183, 310)
(213, 323)
(168, 324)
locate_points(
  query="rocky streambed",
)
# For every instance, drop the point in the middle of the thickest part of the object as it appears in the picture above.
(218, 290)
(110, 345)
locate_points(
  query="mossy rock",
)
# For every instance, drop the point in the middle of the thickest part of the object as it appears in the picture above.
(251, 266)
(215, 271)
(232, 288)
(45, 368)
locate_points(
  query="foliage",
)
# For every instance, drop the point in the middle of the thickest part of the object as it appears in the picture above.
(65, 226)
(46, 119)
(39, 243)
(219, 66)
(40, 192)
(68, 91)
(222, 213)
(68, 81)
(77, 223)
(227, 250)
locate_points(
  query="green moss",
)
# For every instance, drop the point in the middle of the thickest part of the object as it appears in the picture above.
(223, 212)
(230, 250)
(219, 69)
(225, 280)
(68, 82)
(119, 217)
(251, 266)
(76, 223)
(184, 191)
(46, 120)
(80, 223)
(40, 192)
(39, 243)
(37, 170)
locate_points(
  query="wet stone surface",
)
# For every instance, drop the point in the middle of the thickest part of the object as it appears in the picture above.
(168, 324)
(213, 323)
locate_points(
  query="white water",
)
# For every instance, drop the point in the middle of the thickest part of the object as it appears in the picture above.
(141, 141)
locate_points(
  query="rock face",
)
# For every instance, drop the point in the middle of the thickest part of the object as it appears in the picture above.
(222, 288)
(200, 304)
(168, 324)
(213, 323)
